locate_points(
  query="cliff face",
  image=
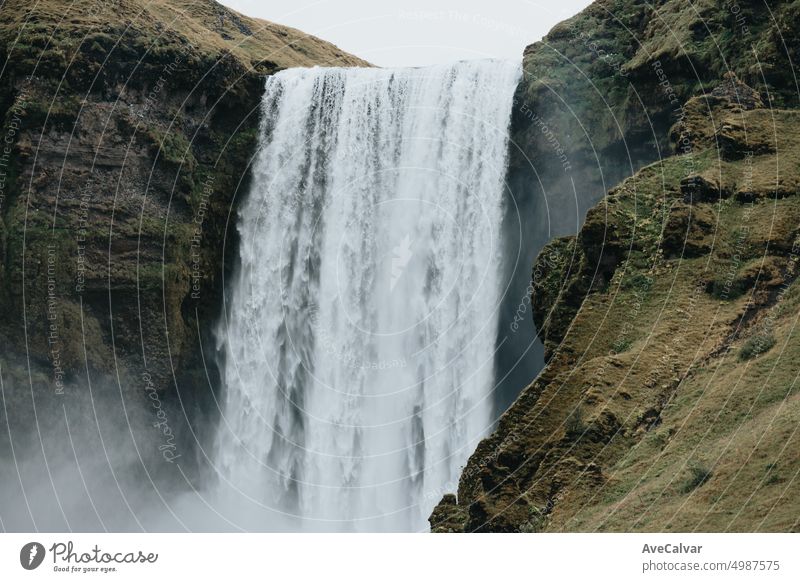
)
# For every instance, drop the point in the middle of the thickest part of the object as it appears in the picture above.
(128, 127)
(669, 400)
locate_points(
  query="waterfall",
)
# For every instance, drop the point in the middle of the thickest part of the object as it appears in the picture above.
(360, 336)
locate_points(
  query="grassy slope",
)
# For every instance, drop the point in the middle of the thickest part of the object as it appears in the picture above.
(670, 398)
(207, 25)
(687, 402)
(672, 401)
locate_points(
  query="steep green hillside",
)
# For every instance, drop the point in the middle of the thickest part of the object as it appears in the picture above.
(670, 396)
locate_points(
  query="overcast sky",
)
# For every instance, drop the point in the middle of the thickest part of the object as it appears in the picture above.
(419, 32)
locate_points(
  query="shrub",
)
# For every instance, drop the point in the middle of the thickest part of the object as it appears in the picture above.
(698, 475)
(639, 281)
(574, 425)
(757, 345)
(621, 345)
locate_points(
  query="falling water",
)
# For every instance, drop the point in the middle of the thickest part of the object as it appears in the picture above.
(359, 344)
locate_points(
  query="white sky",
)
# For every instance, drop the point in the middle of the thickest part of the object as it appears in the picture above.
(419, 32)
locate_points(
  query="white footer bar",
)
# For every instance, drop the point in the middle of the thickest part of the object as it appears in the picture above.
(407, 557)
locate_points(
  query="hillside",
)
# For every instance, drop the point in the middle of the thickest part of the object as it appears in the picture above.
(60, 32)
(130, 127)
(669, 400)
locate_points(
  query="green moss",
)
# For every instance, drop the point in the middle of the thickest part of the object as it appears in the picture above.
(150, 277)
(59, 114)
(172, 147)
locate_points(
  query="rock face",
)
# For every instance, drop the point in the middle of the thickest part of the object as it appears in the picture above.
(669, 400)
(128, 129)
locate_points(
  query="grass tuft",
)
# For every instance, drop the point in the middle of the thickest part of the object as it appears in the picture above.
(698, 475)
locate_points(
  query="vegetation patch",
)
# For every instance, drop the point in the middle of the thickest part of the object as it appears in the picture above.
(757, 345)
(698, 476)
(621, 345)
(537, 518)
(575, 427)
